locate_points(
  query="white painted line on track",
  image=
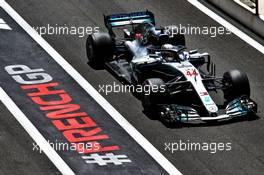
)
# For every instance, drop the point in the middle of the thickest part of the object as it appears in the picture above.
(228, 25)
(137, 136)
(35, 134)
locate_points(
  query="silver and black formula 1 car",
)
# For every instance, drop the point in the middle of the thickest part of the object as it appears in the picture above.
(180, 80)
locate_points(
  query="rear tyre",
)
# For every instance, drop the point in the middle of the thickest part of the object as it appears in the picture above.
(154, 93)
(99, 49)
(175, 37)
(235, 84)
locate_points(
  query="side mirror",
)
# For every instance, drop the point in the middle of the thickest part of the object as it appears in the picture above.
(193, 51)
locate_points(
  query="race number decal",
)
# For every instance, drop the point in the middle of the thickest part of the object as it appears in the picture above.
(191, 72)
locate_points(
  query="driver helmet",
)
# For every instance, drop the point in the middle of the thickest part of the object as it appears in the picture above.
(168, 55)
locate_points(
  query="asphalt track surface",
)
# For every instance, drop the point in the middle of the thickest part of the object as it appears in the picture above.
(100, 127)
(16, 149)
(227, 51)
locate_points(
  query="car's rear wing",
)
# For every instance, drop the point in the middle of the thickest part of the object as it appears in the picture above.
(117, 20)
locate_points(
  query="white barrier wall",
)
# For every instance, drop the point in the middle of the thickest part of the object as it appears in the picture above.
(261, 7)
(241, 14)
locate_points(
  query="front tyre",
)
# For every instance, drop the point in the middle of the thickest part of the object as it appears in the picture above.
(154, 93)
(235, 84)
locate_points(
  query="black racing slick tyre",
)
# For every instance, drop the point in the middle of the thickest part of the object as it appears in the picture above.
(176, 38)
(154, 92)
(99, 49)
(235, 84)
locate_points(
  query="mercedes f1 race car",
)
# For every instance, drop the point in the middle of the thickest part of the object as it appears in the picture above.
(179, 80)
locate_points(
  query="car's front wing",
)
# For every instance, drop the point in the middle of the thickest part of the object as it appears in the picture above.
(241, 106)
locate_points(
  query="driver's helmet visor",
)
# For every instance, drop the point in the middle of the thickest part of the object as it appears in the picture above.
(168, 55)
